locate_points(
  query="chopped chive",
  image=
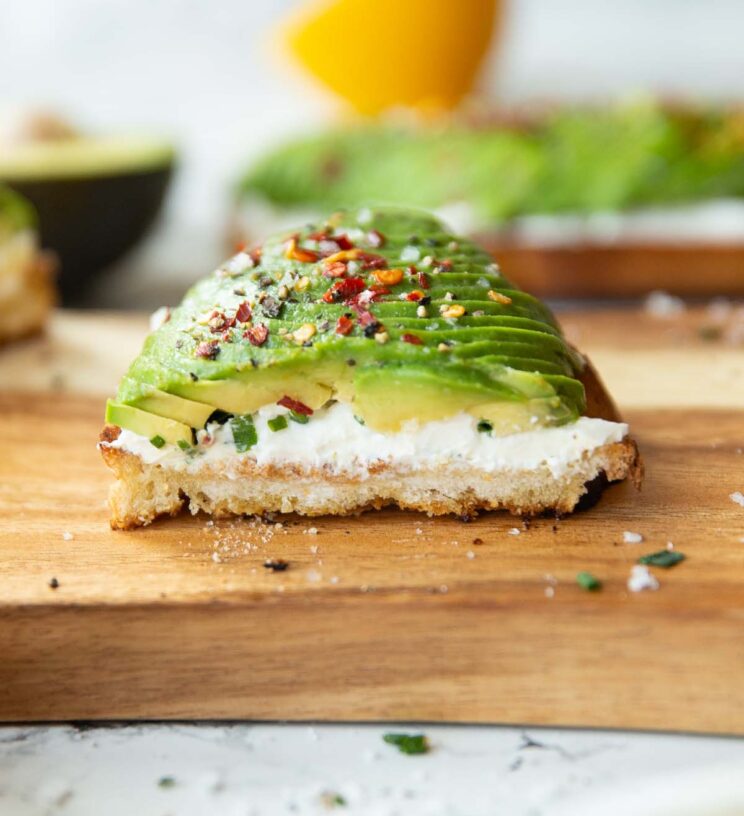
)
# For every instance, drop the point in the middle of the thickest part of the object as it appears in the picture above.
(408, 743)
(166, 782)
(710, 332)
(359, 419)
(588, 582)
(329, 799)
(244, 432)
(277, 423)
(662, 558)
(184, 445)
(484, 426)
(157, 441)
(302, 419)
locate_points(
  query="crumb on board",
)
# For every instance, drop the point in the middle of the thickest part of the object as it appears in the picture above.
(630, 537)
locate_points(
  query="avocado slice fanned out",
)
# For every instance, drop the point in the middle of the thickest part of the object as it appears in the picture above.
(380, 308)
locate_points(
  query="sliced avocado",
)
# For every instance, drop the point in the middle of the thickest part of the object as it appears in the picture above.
(16, 213)
(191, 413)
(380, 308)
(147, 424)
(241, 396)
(511, 401)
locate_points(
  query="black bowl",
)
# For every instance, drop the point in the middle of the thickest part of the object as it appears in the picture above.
(92, 219)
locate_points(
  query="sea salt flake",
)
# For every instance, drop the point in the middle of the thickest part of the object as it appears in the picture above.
(737, 498)
(515, 531)
(663, 305)
(641, 578)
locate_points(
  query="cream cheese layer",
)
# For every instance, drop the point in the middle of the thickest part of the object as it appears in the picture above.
(335, 440)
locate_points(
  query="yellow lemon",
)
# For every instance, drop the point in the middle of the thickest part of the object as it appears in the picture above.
(379, 54)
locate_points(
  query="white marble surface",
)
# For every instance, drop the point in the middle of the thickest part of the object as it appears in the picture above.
(252, 770)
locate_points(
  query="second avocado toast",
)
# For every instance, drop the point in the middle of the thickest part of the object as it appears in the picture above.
(368, 360)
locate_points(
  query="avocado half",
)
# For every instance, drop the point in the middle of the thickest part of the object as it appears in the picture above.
(95, 198)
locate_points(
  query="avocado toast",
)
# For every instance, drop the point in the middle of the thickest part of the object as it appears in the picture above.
(370, 359)
(27, 291)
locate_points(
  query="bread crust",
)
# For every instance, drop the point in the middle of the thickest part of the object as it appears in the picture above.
(144, 492)
(25, 312)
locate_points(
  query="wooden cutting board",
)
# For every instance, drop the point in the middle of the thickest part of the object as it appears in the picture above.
(389, 616)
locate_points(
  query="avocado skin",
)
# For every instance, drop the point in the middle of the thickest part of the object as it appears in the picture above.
(91, 222)
(504, 348)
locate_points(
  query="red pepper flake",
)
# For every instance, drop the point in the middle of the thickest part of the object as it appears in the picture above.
(343, 241)
(375, 239)
(218, 322)
(443, 266)
(208, 349)
(412, 339)
(320, 235)
(415, 295)
(295, 405)
(257, 334)
(244, 313)
(344, 289)
(296, 253)
(344, 325)
(370, 261)
(240, 246)
(423, 280)
(337, 269)
(379, 290)
(256, 256)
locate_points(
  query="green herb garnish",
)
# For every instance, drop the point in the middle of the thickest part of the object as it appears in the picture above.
(408, 743)
(588, 582)
(332, 800)
(302, 419)
(157, 441)
(359, 419)
(484, 426)
(710, 332)
(184, 445)
(166, 782)
(662, 558)
(244, 432)
(278, 423)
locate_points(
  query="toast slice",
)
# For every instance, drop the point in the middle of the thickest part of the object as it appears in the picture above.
(27, 291)
(511, 418)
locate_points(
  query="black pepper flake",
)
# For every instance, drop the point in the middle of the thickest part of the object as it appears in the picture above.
(432, 242)
(271, 307)
(53, 583)
(351, 362)
(264, 282)
(477, 542)
(372, 329)
(239, 292)
(276, 564)
(425, 301)
(414, 240)
(193, 377)
(254, 362)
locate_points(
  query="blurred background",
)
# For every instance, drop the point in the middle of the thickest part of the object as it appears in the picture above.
(219, 82)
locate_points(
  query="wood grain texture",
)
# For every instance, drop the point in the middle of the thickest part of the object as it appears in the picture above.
(384, 616)
(623, 270)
